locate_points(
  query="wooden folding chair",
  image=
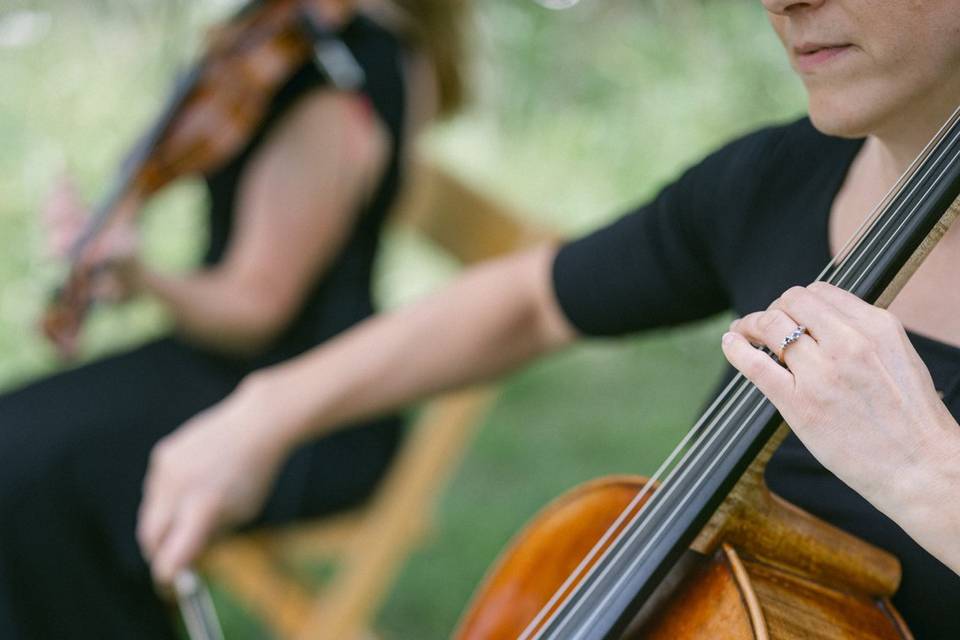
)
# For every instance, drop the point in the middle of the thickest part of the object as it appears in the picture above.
(369, 545)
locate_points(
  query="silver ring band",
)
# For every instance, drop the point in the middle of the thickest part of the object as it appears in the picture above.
(792, 337)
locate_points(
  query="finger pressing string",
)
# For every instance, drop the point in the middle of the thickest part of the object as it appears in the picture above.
(773, 380)
(776, 331)
(780, 353)
(822, 320)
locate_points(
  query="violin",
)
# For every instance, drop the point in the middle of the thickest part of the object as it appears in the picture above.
(212, 112)
(703, 549)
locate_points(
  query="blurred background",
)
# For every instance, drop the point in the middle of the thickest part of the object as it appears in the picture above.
(576, 115)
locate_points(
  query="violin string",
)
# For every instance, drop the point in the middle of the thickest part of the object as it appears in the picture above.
(103, 215)
(864, 228)
(649, 515)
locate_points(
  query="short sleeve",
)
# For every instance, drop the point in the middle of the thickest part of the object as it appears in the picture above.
(662, 263)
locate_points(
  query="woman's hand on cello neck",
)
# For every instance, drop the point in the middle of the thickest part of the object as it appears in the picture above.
(857, 394)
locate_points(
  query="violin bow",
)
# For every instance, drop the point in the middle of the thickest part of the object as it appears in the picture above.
(196, 607)
(330, 54)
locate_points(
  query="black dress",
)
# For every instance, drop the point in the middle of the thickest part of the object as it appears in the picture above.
(734, 232)
(74, 446)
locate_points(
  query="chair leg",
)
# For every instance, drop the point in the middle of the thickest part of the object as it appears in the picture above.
(252, 575)
(398, 516)
(345, 610)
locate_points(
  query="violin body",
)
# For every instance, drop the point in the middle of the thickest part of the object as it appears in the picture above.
(761, 569)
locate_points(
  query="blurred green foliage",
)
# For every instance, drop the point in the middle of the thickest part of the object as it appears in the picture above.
(576, 116)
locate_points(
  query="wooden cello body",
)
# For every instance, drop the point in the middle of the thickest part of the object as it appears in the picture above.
(762, 569)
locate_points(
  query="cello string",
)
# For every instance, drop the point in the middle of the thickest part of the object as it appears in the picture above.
(648, 511)
(895, 191)
(646, 488)
(892, 238)
(913, 169)
(644, 491)
(738, 433)
(868, 224)
(886, 199)
(654, 536)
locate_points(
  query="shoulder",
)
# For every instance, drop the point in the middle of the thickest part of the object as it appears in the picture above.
(719, 205)
(380, 54)
(739, 180)
(338, 124)
(760, 153)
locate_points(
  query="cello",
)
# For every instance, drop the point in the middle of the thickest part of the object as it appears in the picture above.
(703, 549)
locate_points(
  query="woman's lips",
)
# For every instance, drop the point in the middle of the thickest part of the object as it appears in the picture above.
(810, 57)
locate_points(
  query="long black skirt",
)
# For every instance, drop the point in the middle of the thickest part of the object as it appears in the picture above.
(73, 454)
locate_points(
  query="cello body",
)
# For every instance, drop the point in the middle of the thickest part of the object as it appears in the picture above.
(761, 569)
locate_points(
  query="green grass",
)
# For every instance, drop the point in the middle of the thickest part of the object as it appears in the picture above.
(577, 115)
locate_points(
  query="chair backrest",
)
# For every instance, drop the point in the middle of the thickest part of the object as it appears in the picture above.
(462, 220)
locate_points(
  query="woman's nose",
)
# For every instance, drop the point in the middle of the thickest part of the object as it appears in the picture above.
(783, 7)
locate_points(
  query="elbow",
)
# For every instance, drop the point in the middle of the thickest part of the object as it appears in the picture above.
(553, 330)
(259, 331)
(262, 316)
(528, 317)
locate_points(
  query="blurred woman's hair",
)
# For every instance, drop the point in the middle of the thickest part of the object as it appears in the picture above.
(438, 29)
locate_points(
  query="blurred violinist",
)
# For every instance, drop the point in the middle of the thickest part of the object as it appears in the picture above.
(295, 218)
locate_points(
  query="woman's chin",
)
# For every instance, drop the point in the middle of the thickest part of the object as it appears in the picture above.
(840, 117)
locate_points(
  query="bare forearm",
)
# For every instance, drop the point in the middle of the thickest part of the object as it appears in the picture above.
(490, 322)
(208, 310)
(927, 505)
